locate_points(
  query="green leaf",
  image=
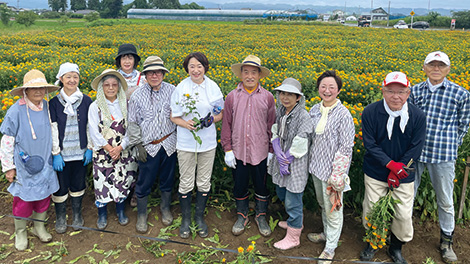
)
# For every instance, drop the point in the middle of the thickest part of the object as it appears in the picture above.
(254, 238)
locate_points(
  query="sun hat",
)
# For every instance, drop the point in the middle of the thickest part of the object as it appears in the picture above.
(125, 49)
(437, 56)
(250, 60)
(396, 77)
(153, 63)
(96, 81)
(65, 68)
(290, 85)
(34, 79)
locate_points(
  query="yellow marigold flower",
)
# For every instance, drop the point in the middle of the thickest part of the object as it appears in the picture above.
(163, 254)
(369, 224)
(380, 246)
(223, 260)
(367, 219)
(253, 242)
(374, 246)
(383, 239)
(16, 97)
(455, 180)
(250, 248)
(240, 250)
(374, 227)
(373, 233)
(187, 95)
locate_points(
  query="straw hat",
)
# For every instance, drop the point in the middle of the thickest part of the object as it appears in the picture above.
(290, 85)
(96, 81)
(250, 60)
(154, 63)
(34, 79)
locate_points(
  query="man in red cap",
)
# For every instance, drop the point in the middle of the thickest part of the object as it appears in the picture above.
(393, 133)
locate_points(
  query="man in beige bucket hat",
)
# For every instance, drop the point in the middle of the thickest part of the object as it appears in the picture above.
(246, 132)
(153, 135)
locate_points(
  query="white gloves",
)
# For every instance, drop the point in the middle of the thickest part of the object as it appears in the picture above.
(230, 159)
(270, 157)
(338, 175)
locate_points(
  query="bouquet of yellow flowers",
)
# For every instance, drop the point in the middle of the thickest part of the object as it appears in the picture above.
(379, 220)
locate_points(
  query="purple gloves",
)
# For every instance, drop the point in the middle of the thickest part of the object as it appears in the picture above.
(283, 158)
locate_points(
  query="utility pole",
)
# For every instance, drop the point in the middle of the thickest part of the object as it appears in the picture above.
(388, 17)
(371, 8)
(429, 6)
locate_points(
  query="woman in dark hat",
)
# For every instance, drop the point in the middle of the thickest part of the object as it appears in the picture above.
(114, 169)
(126, 62)
(26, 156)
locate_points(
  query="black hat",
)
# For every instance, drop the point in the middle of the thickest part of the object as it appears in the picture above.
(125, 49)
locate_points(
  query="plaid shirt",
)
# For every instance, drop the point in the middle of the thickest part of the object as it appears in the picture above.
(448, 116)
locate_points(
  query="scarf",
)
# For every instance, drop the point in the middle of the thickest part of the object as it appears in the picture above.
(320, 129)
(70, 100)
(131, 75)
(433, 88)
(403, 113)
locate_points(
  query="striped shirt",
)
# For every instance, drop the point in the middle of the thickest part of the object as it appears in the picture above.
(151, 111)
(447, 111)
(338, 137)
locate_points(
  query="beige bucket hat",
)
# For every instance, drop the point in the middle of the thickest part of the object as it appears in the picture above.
(153, 63)
(250, 60)
(290, 85)
(34, 79)
(96, 81)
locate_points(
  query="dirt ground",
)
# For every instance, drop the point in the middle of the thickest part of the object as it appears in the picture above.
(424, 245)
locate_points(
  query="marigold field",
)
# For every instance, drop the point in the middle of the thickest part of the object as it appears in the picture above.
(362, 56)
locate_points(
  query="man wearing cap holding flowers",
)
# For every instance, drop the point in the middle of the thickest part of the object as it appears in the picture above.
(246, 132)
(26, 156)
(154, 137)
(447, 108)
(393, 133)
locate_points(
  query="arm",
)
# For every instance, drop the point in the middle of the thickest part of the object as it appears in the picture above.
(271, 119)
(179, 121)
(463, 117)
(226, 133)
(93, 120)
(7, 148)
(370, 143)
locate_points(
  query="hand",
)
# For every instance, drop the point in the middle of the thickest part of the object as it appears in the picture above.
(280, 155)
(115, 152)
(336, 182)
(87, 156)
(10, 175)
(284, 169)
(230, 159)
(393, 181)
(58, 162)
(206, 121)
(141, 153)
(398, 169)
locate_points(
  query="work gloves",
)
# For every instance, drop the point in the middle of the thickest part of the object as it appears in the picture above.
(230, 159)
(87, 156)
(393, 181)
(58, 162)
(398, 169)
(283, 158)
(206, 121)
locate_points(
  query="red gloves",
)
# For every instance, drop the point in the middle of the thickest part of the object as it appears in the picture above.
(397, 168)
(393, 181)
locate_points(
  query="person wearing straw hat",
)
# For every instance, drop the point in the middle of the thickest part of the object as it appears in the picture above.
(69, 116)
(127, 60)
(289, 169)
(26, 156)
(330, 156)
(447, 107)
(196, 158)
(394, 134)
(246, 132)
(153, 136)
(114, 168)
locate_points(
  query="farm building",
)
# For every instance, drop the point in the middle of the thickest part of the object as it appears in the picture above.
(195, 14)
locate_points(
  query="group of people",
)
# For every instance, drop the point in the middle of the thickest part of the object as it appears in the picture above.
(140, 126)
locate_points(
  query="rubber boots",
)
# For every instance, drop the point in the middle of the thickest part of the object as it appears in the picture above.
(167, 218)
(77, 212)
(394, 251)
(102, 221)
(201, 200)
(291, 240)
(368, 253)
(242, 216)
(141, 226)
(261, 208)
(21, 237)
(120, 211)
(61, 218)
(185, 203)
(39, 229)
(447, 253)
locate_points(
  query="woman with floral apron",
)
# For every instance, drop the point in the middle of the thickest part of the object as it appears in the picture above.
(114, 169)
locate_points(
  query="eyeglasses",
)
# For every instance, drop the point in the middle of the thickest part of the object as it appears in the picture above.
(438, 65)
(400, 93)
(156, 73)
(107, 85)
